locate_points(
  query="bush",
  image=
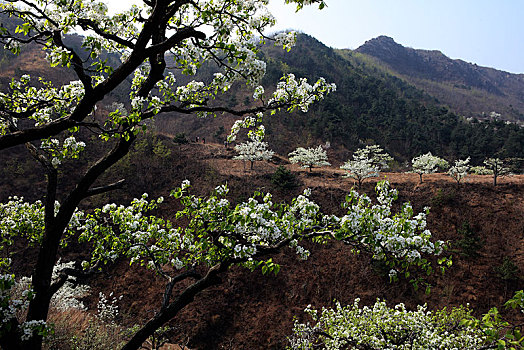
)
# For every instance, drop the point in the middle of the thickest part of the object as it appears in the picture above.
(470, 243)
(507, 271)
(180, 138)
(284, 179)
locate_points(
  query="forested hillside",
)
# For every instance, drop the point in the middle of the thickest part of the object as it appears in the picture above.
(369, 106)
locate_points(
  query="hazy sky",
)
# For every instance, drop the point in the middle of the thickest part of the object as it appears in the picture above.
(487, 32)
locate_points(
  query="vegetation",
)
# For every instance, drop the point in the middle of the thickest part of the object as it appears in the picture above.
(48, 120)
(427, 164)
(253, 150)
(284, 178)
(206, 235)
(180, 139)
(380, 108)
(383, 327)
(470, 242)
(310, 157)
(497, 168)
(459, 170)
(367, 162)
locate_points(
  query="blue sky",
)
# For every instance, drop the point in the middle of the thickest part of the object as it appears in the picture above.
(487, 32)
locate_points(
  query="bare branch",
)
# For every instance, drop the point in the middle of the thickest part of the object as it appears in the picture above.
(169, 287)
(103, 189)
(87, 24)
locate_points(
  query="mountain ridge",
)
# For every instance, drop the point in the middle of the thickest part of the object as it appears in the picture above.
(442, 77)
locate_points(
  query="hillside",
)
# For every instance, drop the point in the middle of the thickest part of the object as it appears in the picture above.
(253, 311)
(466, 88)
(189, 268)
(369, 106)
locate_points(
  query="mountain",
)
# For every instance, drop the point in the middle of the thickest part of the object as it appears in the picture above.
(372, 105)
(466, 88)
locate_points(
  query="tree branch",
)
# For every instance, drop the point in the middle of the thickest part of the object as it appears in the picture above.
(87, 24)
(175, 280)
(103, 189)
(77, 62)
(187, 296)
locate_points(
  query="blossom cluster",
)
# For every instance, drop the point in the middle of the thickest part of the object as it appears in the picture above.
(70, 149)
(70, 293)
(427, 163)
(41, 104)
(15, 300)
(299, 93)
(382, 327)
(394, 239)
(253, 150)
(309, 157)
(367, 162)
(217, 230)
(460, 169)
(107, 307)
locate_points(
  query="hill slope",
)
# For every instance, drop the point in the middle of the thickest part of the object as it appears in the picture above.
(369, 106)
(254, 311)
(467, 88)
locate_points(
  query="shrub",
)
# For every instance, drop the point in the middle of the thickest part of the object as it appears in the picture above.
(284, 179)
(180, 139)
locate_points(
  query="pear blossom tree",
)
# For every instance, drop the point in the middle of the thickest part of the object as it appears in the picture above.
(497, 168)
(367, 162)
(360, 169)
(309, 157)
(382, 327)
(427, 164)
(50, 120)
(459, 170)
(220, 235)
(376, 156)
(255, 149)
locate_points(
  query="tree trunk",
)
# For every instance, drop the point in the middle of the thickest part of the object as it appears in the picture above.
(166, 314)
(39, 306)
(10, 340)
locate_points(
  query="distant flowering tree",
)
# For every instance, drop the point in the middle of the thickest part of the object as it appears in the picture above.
(375, 154)
(309, 157)
(480, 170)
(367, 162)
(382, 327)
(255, 149)
(360, 170)
(427, 164)
(497, 168)
(459, 170)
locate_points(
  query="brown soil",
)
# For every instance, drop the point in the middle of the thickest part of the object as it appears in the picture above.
(252, 311)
